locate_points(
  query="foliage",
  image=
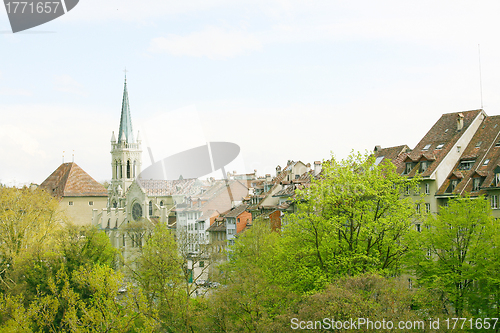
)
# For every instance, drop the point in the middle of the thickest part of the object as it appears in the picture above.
(364, 296)
(454, 254)
(249, 299)
(28, 222)
(159, 274)
(62, 309)
(352, 220)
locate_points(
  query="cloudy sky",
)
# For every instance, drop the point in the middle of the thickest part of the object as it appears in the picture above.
(283, 79)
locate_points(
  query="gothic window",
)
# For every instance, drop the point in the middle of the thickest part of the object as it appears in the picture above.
(120, 175)
(134, 168)
(116, 169)
(128, 169)
(161, 203)
(151, 208)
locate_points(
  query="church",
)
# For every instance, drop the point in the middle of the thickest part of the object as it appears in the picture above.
(135, 205)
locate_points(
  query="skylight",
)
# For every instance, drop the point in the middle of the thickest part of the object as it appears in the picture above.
(478, 144)
(439, 146)
(427, 147)
(486, 162)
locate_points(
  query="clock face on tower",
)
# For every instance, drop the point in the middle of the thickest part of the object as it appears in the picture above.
(136, 211)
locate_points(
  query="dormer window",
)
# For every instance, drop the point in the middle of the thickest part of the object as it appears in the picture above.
(454, 183)
(408, 167)
(466, 165)
(497, 179)
(440, 146)
(479, 144)
(476, 184)
(424, 165)
(427, 147)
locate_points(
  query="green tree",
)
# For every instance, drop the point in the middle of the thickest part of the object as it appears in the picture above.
(158, 272)
(250, 298)
(29, 219)
(453, 254)
(62, 309)
(353, 219)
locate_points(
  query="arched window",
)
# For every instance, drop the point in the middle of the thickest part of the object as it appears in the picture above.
(115, 204)
(120, 171)
(161, 203)
(128, 169)
(151, 208)
(135, 167)
(116, 170)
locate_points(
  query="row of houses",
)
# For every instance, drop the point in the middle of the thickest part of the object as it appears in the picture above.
(459, 154)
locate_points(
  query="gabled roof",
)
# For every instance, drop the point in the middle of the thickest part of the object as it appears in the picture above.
(481, 148)
(69, 180)
(395, 154)
(236, 211)
(440, 139)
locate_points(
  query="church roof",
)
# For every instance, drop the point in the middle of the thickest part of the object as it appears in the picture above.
(125, 132)
(69, 180)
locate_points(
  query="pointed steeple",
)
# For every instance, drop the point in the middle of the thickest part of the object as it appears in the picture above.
(125, 131)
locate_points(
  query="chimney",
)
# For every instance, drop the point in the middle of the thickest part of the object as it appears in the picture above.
(460, 122)
(377, 148)
(317, 167)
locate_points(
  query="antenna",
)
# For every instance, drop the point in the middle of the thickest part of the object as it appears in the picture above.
(480, 75)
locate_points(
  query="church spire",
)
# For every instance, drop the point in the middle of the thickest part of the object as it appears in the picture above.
(125, 131)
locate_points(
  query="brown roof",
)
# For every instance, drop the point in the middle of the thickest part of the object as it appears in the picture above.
(482, 147)
(69, 180)
(236, 211)
(440, 139)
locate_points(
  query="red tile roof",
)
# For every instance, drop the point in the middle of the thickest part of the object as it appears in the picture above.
(69, 180)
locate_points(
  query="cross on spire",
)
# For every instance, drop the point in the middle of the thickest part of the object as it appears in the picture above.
(125, 71)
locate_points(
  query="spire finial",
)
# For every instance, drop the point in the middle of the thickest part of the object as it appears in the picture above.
(125, 71)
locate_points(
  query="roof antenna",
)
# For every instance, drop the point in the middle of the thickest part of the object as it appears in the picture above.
(480, 76)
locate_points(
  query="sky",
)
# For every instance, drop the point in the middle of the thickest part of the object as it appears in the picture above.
(283, 79)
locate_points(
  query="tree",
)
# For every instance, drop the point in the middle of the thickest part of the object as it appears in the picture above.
(250, 298)
(352, 219)
(29, 219)
(159, 274)
(62, 308)
(454, 254)
(364, 296)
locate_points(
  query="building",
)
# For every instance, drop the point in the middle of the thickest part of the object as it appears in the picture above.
(460, 154)
(78, 193)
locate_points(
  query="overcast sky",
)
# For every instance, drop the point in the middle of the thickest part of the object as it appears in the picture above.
(282, 79)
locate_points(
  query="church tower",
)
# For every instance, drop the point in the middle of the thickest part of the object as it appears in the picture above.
(125, 157)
